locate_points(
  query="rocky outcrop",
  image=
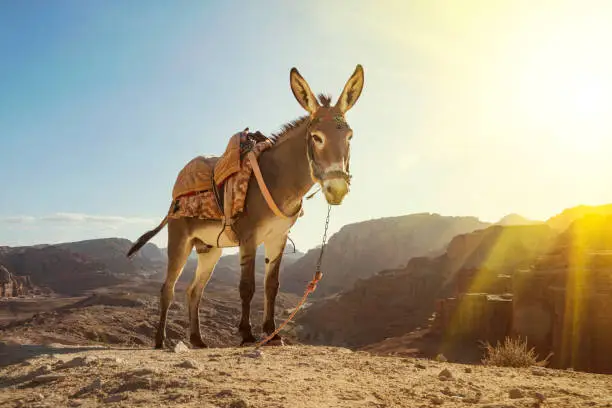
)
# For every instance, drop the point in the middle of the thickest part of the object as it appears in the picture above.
(562, 221)
(563, 303)
(360, 250)
(13, 285)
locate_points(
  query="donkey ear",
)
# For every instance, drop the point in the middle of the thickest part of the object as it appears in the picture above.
(351, 90)
(302, 92)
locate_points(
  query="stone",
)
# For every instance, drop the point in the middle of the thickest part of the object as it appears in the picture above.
(445, 375)
(180, 347)
(47, 378)
(441, 358)
(87, 389)
(114, 398)
(238, 404)
(253, 354)
(188, 364)
(516, 393)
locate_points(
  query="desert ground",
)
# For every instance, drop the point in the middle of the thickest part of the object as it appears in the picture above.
(288, 376)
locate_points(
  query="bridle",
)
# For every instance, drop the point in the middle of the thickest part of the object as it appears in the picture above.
(317, 174)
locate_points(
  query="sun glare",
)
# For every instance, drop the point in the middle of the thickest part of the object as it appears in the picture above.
(563, 84)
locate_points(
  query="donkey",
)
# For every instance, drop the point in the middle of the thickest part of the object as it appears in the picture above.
(311, 149)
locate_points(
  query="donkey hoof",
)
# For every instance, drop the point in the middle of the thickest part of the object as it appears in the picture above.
(197, 342)
(275, 341)
(248, 340)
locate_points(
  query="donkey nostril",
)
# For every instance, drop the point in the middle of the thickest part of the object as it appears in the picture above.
(328, 189)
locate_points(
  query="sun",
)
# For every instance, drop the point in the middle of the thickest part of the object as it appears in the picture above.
(563, 85)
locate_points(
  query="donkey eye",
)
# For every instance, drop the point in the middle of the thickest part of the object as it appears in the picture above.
(317, 138)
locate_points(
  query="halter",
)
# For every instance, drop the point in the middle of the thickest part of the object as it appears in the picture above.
(317, 174)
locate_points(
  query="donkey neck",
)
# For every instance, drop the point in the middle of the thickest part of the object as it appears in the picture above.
(286, 170)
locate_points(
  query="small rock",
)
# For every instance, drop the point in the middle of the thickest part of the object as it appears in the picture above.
(445, 375)
(46, 369)
(539, 396)
(420, 366)
(538, 372)
(224, 393)
(134, 384)
(78, 362)
(88, 388)
(188, 364)
(180, 347)
(141, 372)
(114, 398)
(516, 393)
(75, 403)
(468, 369)
(47, 378)
(441, 358)
(437, 400)
(253, 354)
(238, 404)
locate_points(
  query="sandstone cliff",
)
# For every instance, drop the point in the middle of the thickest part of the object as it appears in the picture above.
(396, 301)
(13, 285)
(360, 250)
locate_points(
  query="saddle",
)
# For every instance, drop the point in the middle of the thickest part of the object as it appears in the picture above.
(212, 187)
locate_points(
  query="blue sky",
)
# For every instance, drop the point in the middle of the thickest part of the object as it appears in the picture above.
(102, 103)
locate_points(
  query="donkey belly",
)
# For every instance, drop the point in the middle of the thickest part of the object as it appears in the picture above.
(210, 232)
(272, 228)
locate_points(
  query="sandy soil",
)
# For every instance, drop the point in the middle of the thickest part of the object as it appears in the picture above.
(291, 376)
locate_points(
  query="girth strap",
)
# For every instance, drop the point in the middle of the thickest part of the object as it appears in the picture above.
(264, 189)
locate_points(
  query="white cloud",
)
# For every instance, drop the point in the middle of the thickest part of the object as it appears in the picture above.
(77, 218)
(20, 219)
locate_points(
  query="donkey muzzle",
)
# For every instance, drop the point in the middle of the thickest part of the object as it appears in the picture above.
(335, 189)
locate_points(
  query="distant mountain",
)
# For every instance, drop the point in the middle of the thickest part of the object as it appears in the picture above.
(362, 249)
(76, 267)
(516, 219)
(562, 221)
(112, 253)
(57, 268)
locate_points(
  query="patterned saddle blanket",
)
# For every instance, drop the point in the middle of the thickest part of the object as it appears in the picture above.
(215, 187)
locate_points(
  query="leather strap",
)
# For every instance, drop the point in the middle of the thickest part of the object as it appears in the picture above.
(263, 188)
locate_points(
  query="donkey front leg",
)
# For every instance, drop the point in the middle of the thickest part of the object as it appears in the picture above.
(247, 290)
(274, 255)
(207, 259)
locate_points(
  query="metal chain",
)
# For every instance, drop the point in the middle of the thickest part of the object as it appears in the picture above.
(324, 241)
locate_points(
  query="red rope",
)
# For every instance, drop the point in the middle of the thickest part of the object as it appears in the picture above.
(312, 285)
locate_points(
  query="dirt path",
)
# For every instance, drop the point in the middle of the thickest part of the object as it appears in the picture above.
(290, 376)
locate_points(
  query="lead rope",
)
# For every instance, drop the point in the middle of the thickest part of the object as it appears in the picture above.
(312, 285)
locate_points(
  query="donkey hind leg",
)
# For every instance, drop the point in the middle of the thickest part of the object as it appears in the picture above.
(207, 259)
(274, 253)
(179, 248)
(247, 290)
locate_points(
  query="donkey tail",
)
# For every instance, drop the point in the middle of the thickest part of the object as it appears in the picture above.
(146, 237)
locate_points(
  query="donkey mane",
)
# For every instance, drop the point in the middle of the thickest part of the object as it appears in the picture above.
(276, 137)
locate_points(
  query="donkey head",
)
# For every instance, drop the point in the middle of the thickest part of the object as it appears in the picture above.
(329, 134)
